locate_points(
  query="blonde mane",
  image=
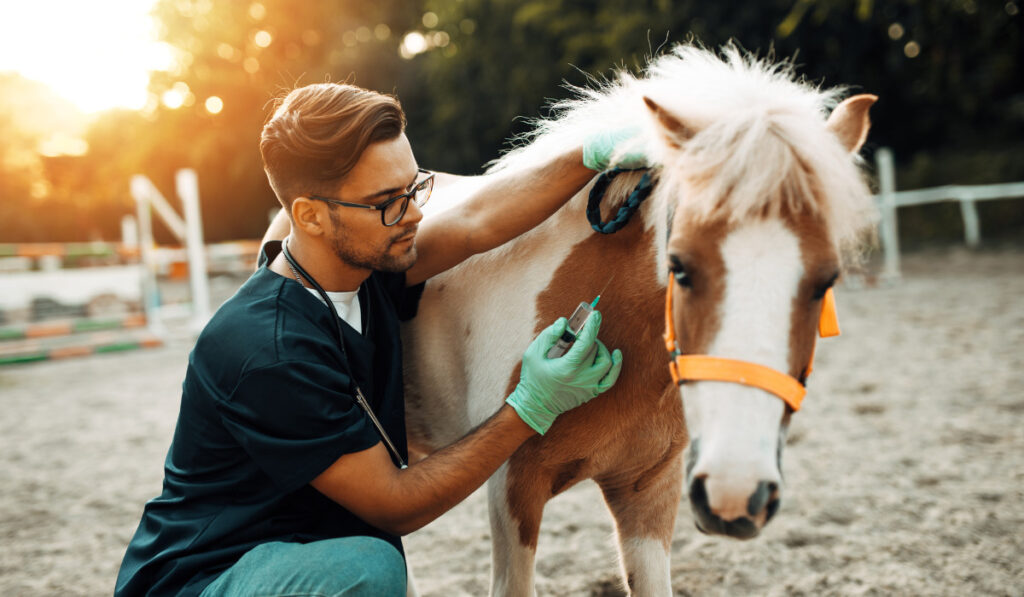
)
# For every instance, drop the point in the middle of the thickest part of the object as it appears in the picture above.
(760, 144)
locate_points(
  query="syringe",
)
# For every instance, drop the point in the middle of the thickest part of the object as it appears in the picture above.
(576, 322)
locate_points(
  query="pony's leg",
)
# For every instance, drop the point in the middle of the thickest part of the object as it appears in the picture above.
(512, 558)
(645, 514)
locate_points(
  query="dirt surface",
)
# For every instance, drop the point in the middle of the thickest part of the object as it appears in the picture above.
(904, 473)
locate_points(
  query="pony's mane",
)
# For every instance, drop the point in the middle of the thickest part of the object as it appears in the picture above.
(760, 147)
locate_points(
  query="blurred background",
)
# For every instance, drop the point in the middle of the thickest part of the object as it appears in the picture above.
(903, 477)
(92, 93)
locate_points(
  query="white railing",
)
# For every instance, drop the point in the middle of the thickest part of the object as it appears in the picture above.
(888, 200)
(188, 229)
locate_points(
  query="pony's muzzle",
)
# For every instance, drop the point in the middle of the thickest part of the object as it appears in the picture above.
(718, 512)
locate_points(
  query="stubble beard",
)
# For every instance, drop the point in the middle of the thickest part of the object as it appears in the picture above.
(383, 262)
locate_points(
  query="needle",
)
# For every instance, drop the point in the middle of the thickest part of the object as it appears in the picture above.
(594, 304)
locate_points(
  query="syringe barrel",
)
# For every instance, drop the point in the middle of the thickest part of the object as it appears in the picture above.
(576, 322)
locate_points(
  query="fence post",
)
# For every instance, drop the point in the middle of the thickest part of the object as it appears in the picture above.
(150, 290)
(129, 232)
(972, 227)
(890, 230)
(187, 184)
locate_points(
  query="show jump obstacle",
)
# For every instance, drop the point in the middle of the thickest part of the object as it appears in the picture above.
(62, 300)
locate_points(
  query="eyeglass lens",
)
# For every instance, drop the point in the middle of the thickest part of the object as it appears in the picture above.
(421, 192)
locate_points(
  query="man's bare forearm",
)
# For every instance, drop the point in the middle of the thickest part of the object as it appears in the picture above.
(435, 484)
(515, 200)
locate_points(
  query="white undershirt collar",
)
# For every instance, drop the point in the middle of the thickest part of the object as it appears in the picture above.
(347, 304)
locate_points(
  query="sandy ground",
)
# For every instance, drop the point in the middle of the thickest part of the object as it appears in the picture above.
(905, 469)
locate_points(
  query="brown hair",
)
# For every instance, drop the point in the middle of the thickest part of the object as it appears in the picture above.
(318, 132)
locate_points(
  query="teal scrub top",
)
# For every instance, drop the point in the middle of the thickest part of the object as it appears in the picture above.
(267, 405)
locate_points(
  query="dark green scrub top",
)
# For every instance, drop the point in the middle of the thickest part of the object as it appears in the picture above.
(266, 407)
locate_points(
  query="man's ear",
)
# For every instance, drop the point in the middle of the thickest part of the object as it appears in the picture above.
(309, 215)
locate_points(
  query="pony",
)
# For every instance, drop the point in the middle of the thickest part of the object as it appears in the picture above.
(758, 198)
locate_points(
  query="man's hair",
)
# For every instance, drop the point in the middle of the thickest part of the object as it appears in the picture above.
(317, 134)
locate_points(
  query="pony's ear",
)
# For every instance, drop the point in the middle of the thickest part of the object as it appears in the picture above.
(850, 122)
(676, 131)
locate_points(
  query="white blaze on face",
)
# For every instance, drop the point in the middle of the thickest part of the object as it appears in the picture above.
(738, 426)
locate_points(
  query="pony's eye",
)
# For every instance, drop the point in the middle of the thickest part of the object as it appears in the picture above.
(821, 289)
(679, 273)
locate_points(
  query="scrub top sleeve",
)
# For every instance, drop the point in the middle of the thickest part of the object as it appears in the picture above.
(294, 420)
(406, 299)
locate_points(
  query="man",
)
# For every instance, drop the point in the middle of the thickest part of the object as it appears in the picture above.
(280, 480)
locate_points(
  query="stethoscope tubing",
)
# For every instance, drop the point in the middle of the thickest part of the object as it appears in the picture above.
(360, 397)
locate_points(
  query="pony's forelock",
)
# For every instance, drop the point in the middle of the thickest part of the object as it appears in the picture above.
(761, 145)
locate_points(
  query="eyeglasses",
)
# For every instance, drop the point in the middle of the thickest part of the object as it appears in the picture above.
(393, 209)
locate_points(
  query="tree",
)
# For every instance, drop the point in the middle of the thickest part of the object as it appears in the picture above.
(471, 72)
(234, 58)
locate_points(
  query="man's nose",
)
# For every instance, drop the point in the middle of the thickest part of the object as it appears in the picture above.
(412, 215)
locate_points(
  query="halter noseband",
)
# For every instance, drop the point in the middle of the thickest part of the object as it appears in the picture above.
(694, 367)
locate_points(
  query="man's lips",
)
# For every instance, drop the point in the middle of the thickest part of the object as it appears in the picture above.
(404, 238)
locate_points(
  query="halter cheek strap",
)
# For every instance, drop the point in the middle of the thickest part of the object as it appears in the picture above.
(692, 367)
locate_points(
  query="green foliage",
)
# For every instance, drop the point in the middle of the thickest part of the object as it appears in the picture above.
(947, 72)
(222, 56)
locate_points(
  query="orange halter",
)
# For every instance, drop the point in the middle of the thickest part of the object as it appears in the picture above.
(708, 368)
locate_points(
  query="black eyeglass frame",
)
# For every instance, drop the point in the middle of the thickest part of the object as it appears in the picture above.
(425, 185)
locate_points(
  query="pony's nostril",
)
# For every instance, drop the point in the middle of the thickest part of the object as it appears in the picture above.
(699, 495)
(765, 493)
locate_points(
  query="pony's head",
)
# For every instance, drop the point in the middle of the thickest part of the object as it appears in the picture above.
(758, 199)
(761, 196)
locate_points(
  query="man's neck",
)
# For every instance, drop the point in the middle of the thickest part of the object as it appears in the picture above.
(320, 262)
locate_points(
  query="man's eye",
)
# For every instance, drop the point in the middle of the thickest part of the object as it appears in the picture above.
(389, 200)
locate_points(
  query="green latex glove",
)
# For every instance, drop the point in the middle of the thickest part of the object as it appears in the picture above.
(549, 387)
(600, 147)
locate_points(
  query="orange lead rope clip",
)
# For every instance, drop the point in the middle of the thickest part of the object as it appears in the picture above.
(708, 368)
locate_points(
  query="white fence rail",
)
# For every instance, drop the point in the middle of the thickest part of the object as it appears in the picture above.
(889, 200)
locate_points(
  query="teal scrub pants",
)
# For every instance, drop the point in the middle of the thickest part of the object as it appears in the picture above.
(357, 566)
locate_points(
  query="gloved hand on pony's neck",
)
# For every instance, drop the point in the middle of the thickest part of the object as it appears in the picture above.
(614, 148)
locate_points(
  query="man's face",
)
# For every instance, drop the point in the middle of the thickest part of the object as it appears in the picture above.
(385, 169)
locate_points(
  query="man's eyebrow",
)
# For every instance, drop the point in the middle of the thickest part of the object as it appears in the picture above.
(390, 192)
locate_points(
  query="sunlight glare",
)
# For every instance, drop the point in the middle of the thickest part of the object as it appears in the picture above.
(96, 54)
(413, 43)
(263, 38)
(62, 143)
(214, 104)
(173, 99)
(257, 11)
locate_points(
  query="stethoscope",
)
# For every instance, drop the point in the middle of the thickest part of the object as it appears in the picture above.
(360, 397)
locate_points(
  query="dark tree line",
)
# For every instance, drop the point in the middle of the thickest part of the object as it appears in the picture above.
(950, 74)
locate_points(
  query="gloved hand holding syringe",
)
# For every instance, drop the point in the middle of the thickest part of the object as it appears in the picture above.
(550, 385)
(572, 329)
